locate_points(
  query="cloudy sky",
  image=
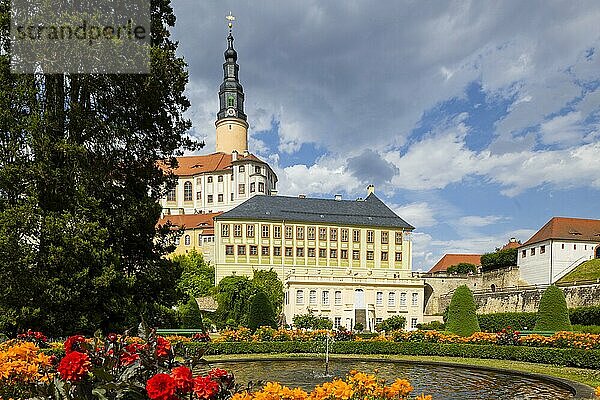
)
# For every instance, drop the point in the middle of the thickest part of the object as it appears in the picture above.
(477, 120)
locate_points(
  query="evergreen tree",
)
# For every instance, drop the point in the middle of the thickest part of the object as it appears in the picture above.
(462, 319)
(191, 316)
(79, 190)
(271, 285)
(553, 314)
(261, 312)
(233, 296)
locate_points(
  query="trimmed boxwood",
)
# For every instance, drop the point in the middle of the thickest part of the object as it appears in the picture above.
(543, 355)
(462, 319)
(553, 314)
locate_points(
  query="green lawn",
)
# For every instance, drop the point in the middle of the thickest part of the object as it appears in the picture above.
(586, 376)
(589, 270)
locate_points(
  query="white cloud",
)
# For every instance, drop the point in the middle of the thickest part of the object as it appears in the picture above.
(562, 129)
(418, 214)
(476, 221)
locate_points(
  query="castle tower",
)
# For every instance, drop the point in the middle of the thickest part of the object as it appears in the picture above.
(232, 128)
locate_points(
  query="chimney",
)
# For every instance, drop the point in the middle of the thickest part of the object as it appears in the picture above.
(246, 153)
(301, 196)
(338, 197)
(370, 189)
(234, 155)
(273, 192)
(513, 240)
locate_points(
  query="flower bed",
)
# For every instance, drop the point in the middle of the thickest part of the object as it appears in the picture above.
(122, 367)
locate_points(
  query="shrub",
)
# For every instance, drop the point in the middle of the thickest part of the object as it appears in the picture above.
(585, 315)
(497, 321)
(499, 259)
(594, 329)
(462, 319)
(552, 313)
(261, 312)
(359, 327)
(462, 268)
(191, 317)
(391, 324)
(310, 321)
(432, 326)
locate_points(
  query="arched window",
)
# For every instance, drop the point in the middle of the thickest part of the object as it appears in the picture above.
(187, 240)
(187, 191)
(597, 255)
(230, 102)
(493, 287)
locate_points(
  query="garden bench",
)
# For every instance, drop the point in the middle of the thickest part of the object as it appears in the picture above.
(541, 333)
(178, 332)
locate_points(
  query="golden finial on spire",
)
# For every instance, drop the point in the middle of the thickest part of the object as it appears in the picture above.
(230, 18)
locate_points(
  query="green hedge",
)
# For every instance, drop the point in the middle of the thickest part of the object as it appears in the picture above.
(519, 320)
(498, 321)
(585, 315)
(564, 357)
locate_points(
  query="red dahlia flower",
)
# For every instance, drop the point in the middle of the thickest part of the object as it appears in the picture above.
(163, 346)
(74, 366)
(73, 343)
(205, 388)
(161, 387)
(183, 379)
(130, 353)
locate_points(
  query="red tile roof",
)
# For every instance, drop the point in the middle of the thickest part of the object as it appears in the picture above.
(192, 165)
(568, 229)
(511, 245)
(192, 221)
(452, 259)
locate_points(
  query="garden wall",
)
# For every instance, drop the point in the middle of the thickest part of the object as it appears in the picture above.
(527, 299)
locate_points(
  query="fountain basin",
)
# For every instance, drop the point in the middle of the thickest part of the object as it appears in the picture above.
(441, 380)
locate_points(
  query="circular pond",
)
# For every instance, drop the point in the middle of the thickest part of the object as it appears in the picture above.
(442, 382)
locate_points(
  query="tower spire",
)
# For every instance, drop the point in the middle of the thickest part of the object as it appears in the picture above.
(231, 102)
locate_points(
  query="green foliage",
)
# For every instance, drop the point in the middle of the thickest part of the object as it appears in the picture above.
(233, 296)
(391, 324)
(552, 312)
(543, 355)
(197, 276)
(499, 259)
(432, 326)
(462, 319)
(269, 283)
(587, 271)
(497, 321)
(310, 321)
(261, 312)
(159, 316)
(80, 186)
(585, 315)
(234, 293)
(358, 327)
(191, 316)
(462, 268)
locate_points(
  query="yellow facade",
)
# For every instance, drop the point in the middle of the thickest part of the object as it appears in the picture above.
(232, 134)
(247, 245)
(194, 239)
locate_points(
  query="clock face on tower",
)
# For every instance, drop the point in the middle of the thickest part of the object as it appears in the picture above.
(231, 112)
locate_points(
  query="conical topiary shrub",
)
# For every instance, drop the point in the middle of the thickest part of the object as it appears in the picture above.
(261, 312)
(553, 314)
(462, 319)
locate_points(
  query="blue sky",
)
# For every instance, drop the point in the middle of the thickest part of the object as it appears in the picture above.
(477, 121)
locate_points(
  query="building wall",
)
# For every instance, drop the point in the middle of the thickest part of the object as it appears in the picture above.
(551, 258)
(198, 241)
(380, 295)
(300, 270)
(222, 190)
(244, 264)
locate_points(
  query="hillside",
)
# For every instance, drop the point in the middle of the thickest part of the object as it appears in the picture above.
(589, 270)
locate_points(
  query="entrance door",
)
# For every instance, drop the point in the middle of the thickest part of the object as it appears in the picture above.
(360, 310)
